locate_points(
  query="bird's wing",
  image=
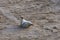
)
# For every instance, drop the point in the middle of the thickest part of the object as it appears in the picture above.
(25, 21)
(30, 22)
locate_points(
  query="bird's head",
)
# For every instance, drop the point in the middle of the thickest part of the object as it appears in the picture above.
(21, 17)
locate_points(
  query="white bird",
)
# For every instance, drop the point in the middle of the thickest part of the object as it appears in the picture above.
(25, 23)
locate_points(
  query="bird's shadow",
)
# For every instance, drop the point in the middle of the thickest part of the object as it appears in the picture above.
(19, 26)
(13, 28)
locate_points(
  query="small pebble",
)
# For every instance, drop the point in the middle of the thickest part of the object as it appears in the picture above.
(54, 27)
(47, 29)
(51, 30)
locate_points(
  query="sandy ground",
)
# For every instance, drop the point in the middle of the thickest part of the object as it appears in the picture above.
(44, 14)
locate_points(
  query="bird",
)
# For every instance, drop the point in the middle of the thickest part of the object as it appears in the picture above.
(25, 23)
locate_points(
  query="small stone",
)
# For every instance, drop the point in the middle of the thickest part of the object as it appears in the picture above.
(55, 31)
(47, 29)
(51, 30)
(54, 27)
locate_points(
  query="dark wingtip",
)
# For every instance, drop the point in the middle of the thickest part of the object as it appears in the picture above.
(31, 24)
